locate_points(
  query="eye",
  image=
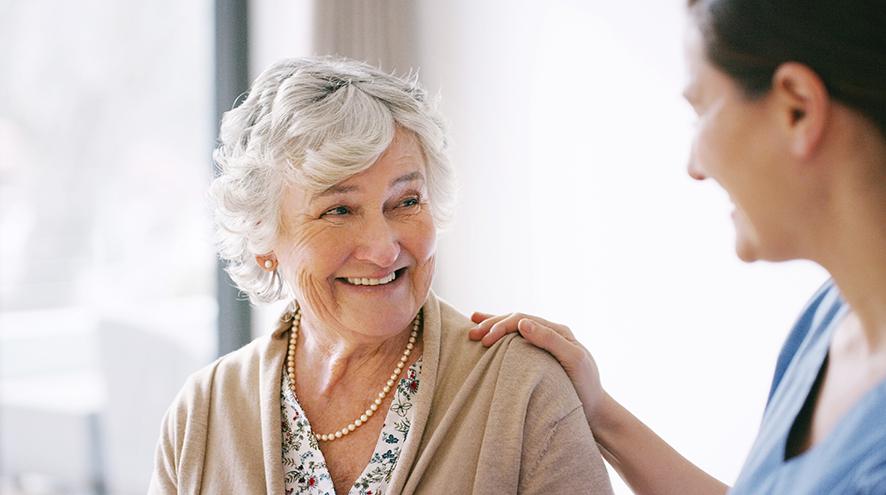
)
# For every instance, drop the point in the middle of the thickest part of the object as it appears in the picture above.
(337, 211)
(410, 202)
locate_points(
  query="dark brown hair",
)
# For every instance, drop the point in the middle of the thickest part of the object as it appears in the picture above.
(843, 42)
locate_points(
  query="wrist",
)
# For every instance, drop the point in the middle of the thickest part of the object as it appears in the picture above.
(603, 417)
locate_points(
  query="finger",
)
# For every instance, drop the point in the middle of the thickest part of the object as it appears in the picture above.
(501, 328)
(568, 353)
(508, 325)
(479, 317)
(561, 329)
(557, 327)
(483, 327)
(477, 333)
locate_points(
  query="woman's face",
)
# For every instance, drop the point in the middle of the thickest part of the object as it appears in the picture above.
(737, 144)
(360, 255)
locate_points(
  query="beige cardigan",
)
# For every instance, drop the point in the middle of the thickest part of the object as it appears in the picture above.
(502, 420)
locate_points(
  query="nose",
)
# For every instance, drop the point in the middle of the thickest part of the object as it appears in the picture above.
(693, 168)
(378, 243)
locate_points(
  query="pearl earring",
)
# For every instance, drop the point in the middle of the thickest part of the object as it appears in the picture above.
(269, 264)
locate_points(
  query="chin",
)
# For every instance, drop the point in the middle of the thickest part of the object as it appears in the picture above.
(750, 251)
(746, 255)
(745, 248)
(382, 318)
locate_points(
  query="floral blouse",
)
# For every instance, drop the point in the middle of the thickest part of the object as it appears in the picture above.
(304, 468)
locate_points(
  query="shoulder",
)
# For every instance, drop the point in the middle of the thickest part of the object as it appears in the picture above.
(519, 356)
(216, 400)
(535, 371)
(243, 365)
(870, 478)
(232, 378)
(458, 354)
(521, 371)
(865, 445)
(233, 374)
(811, 325)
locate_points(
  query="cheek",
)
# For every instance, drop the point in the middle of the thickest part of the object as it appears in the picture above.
(424, 240)
(421, 243)
(309, 255)
(422, 278)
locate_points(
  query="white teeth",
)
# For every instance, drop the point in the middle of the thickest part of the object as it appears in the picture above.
(372, 281)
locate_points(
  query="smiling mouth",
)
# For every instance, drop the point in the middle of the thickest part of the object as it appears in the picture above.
(374, 281)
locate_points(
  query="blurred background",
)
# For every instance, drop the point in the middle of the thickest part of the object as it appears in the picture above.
(570, 140)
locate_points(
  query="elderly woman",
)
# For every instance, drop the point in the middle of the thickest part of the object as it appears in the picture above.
(791, 104)
(333, 184)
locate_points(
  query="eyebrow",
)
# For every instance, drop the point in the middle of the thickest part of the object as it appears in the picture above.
(411, 176)
(340, 189)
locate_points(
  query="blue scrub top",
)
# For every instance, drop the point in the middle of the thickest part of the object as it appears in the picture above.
(852, 457)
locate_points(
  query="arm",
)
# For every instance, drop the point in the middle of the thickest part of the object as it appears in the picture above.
(565, 460)
(178, 458)
(646, 463)
(163, 478)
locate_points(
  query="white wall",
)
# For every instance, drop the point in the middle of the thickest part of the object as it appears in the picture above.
(571, 141)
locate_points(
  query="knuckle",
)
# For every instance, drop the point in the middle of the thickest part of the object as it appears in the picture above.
(575, 355)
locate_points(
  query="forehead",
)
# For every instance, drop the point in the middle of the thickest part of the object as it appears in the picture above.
(703, 79)
(403, 156)
(693, 53)
(404, 151)
(402, 162)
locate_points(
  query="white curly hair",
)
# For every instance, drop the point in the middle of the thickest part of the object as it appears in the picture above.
(313, 122)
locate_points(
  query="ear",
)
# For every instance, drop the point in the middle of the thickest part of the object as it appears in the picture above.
(267, 262)
(804, 104)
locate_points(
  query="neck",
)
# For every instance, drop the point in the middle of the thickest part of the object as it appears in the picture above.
(853, 250)
(338, 358)
(864, 290)
(850, 237)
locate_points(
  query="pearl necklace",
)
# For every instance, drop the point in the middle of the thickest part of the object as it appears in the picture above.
(290, 370)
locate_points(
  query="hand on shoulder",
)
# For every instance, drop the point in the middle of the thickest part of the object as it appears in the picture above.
(555, 338)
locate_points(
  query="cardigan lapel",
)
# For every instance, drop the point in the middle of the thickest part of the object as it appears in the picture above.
(431, 335)
(270, 376)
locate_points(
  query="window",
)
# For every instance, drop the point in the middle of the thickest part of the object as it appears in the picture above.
(106, 265)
